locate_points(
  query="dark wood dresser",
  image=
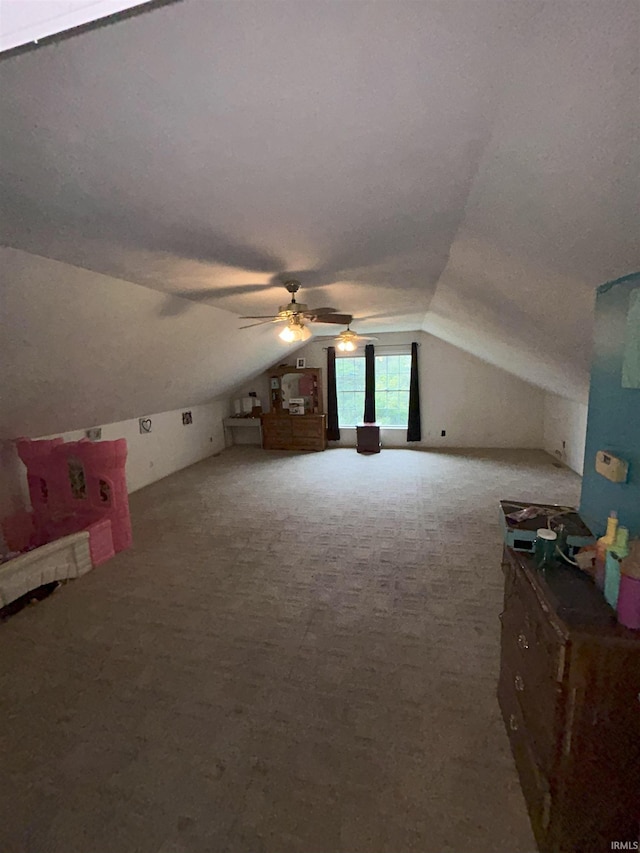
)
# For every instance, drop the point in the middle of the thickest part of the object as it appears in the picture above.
(294, 432)
(569, 691)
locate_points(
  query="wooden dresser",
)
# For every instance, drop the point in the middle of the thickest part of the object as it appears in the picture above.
(295, 388)
(569, 691)
(294, 432)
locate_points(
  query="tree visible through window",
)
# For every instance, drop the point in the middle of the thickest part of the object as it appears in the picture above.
(393, 374)
(393, 377)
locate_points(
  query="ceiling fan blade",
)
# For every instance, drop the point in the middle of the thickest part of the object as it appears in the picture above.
(251, 325)
(339, 319)
(317, 311)
(261, 317)
(203, 293)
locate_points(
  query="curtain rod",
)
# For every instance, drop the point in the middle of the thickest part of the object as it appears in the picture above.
(387, 346)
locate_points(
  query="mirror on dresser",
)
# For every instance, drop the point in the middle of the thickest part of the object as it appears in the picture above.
(299, 386)
(287, 383)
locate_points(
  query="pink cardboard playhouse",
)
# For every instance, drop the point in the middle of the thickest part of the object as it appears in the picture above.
(73, 486)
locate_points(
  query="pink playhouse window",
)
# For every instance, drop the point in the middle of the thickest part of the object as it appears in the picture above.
(77, 479)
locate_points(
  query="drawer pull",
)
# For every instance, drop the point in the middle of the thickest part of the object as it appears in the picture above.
(519, 683)
(523, 643)
(513, 723)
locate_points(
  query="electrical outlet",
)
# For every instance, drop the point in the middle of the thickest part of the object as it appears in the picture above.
(612, 467)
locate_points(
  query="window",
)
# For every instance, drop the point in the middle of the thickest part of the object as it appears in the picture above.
(76, 478)
(393, 374)
(350, 387)
(393, 377)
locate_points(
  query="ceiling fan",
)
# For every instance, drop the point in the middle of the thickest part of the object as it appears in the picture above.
(294, 315)
(348, 340)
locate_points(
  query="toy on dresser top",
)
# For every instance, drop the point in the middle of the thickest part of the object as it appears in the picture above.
(622, 583)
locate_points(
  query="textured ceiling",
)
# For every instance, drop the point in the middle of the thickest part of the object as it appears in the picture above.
(469, 168)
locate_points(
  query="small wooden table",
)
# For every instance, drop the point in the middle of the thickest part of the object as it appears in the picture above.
(368, 438)
(231, 424)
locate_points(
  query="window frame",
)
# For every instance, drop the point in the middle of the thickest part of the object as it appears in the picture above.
(403, 350)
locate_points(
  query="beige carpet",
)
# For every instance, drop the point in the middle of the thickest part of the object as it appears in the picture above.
(299, 654)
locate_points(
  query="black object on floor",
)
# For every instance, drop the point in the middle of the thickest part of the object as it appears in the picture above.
(368, 438)
(38, 594)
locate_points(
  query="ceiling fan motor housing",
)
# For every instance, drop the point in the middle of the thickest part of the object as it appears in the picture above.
(293, 308)
(298, 312)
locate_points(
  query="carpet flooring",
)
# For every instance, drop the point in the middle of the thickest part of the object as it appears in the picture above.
(298, 655)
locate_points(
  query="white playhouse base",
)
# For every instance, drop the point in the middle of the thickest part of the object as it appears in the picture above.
(57, 561)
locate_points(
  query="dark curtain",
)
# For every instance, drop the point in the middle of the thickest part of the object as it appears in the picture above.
(333, 431)
(369, 385)
(414, 432)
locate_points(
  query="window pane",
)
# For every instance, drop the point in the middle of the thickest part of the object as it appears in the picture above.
(350, 408)
(393, 376)
(392, 408)
(350, 388)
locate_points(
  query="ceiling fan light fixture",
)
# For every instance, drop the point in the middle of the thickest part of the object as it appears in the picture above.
(294, 331)
(347, 346)
(347, 341)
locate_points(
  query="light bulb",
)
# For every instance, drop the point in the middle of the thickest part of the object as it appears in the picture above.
(295, 332)
(346, 346)
(287, 334)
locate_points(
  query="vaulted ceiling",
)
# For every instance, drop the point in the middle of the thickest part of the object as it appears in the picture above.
(467, 168)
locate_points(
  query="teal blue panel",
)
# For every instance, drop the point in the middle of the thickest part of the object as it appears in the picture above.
(613, 422)
(631, 360)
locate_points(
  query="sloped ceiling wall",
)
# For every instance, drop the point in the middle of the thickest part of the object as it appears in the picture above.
(554, 209)
(466, 168)
(29, 22)
(84, 348)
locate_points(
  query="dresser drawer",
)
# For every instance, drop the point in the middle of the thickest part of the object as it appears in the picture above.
(534, 782)
(278, 427)
(294, 432)
(276, 433)
(541, 703)
(276, 443)
(307, 427)
(542, 646)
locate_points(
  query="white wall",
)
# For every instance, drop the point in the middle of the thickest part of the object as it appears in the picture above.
(169, 447)
(478, 405)
(565, 430)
